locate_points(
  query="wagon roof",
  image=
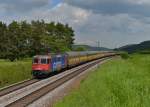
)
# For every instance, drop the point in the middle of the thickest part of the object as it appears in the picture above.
(49, 56)
(81, 53)
(42, 56)
(72, 53)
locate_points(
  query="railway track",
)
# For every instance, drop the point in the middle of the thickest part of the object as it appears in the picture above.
(17, 86)
(38, 89)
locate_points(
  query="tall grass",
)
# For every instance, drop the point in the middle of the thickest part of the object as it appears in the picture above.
(118, 83)
(12, 72)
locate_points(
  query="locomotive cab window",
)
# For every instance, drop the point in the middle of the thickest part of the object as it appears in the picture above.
(48, 61)
(43, 61)
(35, 60)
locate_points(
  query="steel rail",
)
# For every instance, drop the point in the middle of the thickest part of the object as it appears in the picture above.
(17, 86)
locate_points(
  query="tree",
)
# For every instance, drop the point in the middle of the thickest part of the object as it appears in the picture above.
(22, 39)
(3, 39)
(13, 42)
(25, 39)
(38, 32)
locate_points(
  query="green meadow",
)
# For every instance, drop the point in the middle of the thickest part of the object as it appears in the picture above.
(12, 72)
(117, 83)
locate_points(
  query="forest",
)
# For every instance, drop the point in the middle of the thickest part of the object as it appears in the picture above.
(25, 39)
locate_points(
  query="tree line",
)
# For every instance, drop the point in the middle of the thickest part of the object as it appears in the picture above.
(23, 39)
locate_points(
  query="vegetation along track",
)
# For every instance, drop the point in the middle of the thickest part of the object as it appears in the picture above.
(17, 86)
(30, 98)
(25, 93)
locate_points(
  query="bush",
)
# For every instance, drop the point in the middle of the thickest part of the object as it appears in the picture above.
(124, 55)
(81, 48)
(145, 52)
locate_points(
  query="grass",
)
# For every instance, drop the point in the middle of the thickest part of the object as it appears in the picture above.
(12, 72)
(117, 83)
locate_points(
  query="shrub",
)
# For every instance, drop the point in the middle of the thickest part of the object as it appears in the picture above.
(144, 52)
(124, 55)
(81, 48)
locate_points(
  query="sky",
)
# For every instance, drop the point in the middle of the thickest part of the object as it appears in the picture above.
(114, 23)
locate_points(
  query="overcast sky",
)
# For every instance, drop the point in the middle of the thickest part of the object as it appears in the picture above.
(112, 22)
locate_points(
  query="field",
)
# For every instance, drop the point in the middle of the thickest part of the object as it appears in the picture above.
(12, 72)
(117, 83)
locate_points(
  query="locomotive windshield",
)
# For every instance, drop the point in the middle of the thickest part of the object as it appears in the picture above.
(41, 60)
(45, 60)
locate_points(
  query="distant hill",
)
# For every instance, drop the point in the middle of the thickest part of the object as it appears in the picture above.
(143, 46)
(91, 48)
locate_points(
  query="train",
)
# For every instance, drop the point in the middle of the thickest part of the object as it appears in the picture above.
(44, 65)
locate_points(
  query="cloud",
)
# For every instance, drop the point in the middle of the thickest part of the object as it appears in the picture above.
(62, 13)
(134, 7)
(112, 27)
(21, 5)
(111, 30)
